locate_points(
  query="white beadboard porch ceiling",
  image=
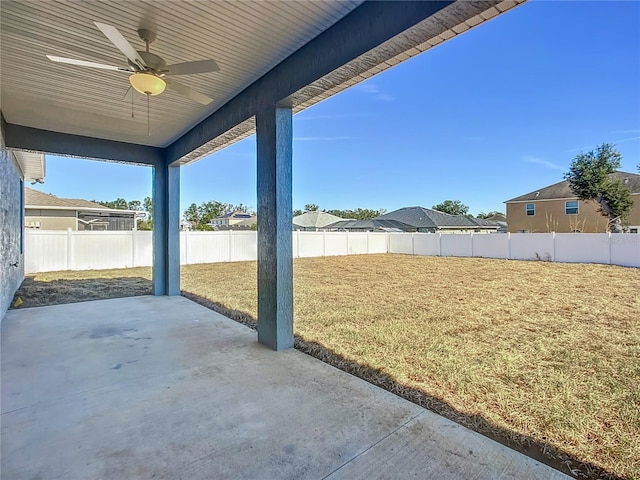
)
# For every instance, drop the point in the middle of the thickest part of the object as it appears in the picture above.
(246, 39)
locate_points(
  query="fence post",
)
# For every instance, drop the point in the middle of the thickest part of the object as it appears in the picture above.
(472, 244)
(413, 243)
(324, 243)
(553, 246)
(439, 244)
(347, 238)
(133, 248)
(297, 243)
(609, 245)
(368, 242)
(509, 245)
(387, 242)
(231, 245)
(69, 249)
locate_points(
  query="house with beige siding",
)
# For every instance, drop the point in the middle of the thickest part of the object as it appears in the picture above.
(48, 212)
(556, 209)
(237, 220)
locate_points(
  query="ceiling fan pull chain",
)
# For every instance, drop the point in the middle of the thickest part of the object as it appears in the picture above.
(132, 95)
(148, 118)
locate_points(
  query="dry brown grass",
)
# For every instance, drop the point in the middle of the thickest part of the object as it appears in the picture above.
(532, 353)
(53, 288)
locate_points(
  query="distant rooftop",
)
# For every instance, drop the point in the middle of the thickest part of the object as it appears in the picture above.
(315, 219)
(563, 190)
(37, 199)
(237, 214)
(420, 217)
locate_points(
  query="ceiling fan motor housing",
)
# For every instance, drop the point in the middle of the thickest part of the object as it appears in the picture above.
(155, 63)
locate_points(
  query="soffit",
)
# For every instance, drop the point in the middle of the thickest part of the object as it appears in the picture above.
(32, 165)
(246, 39)
(446, 24)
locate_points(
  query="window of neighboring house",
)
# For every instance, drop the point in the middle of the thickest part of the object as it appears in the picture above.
(633, 230)
(531, 208)
(522, 231)
(571, 208)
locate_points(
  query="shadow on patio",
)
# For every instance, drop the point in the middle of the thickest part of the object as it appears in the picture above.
(58, 291)
(161, 387)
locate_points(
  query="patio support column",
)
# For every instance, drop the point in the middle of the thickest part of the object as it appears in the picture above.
(166, 230)
(275, 256)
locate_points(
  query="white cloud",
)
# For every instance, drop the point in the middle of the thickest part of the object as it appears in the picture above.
(633, 130)
(615, 142)
(302, 116)
(542, 162)
(373, 90)
(316, 139)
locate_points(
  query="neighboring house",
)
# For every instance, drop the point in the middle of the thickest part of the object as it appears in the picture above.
(420, 219)
(501, 220)
(234, 220)
(48, 212)
(186, 225)
(374, 225)
(314, 221)
(556, 209)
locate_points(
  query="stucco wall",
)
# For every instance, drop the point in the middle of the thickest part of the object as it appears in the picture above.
(11, 258)
(51, 219)
(550, 216)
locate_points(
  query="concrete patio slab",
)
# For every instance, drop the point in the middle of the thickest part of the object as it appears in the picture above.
(160, 387)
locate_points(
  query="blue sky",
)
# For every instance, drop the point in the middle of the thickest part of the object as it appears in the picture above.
(492, 114)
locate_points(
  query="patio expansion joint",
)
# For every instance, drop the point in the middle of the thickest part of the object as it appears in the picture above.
(400, 427)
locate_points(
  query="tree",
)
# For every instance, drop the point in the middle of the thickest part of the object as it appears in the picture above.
(201, 215)
(358, 213)
(134, 205)
(590, 178)
(210, 210)
(118, 203)
(489, 215)
(452, 207)
(147, 205)
(191, 213)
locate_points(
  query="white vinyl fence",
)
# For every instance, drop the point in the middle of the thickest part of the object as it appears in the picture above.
(54, 250)
(608, 248)
(48, 250)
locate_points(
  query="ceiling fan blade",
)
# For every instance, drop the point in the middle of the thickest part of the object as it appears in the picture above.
(189, 92)
(187, 68)
(82, 63)
(121, 43)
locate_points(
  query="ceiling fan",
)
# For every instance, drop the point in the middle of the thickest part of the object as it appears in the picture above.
(149, 72)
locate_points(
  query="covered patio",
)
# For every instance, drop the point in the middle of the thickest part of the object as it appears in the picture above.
(243, 68)
(160, 387)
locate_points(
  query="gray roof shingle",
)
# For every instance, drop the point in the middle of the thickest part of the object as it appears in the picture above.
(420, 217)
(563, 190)
(315, 219)
(35, 198)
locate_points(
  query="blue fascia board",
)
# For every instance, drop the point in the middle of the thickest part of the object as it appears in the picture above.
(362, 30)
(56, 143)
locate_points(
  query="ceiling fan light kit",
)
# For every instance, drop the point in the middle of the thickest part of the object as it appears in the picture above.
(147, 83)
(148, 71)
